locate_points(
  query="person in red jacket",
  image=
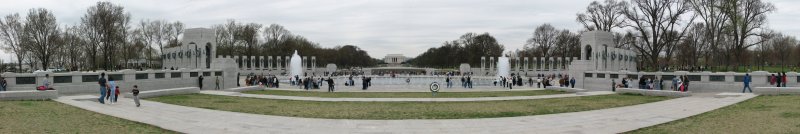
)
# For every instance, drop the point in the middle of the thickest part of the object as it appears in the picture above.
(784, 79)
(772, 80)
(116, 94)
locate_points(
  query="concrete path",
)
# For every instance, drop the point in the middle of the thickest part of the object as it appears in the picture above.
(302, 98)
(613, 120)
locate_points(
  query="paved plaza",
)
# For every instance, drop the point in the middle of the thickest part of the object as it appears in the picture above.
(301, 98)
(612, 120)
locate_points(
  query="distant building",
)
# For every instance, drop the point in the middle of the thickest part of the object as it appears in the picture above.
(395, 60)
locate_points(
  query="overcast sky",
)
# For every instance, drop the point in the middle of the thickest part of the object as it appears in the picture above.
(380, 27)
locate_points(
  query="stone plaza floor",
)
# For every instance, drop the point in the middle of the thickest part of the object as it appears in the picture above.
(302, 98)
(612, 120)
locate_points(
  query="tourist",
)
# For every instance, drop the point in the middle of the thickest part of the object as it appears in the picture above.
(3, 84)
(363, 83)
(613, 85)
(679, 84)
(778, 80)
(276, 82)
(463, 82)
(642, 83)
(530, 82)
(784, 79)
(111, 84)
(675, 83)
(200, 81)
(103, 85)
(330, 84)
(237, 80)
(685, 83)
(539, 82)
(625, 82)
(135, 92)
(116, 93)
(503, 81)
(660, 84)
(572, 82)
(772, 79)
(746, 80)
(216, 82)
(469, 81)
(46, 82)
(449, 84)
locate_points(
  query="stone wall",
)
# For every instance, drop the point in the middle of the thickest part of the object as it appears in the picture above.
(699, 81)
(86, 82)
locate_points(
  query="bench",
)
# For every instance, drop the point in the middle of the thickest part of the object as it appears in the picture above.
(165, 92)
(654, 92)
(566, 89)
(777, 90)
(29, 95)
(247, 88)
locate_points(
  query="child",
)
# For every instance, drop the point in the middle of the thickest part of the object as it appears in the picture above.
(135, 92)
(116, 93)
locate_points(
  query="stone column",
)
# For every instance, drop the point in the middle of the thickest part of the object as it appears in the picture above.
(526, 65)
(483, 64)
(491, 65)
(287, 60)
(278, 63)
(313, 63)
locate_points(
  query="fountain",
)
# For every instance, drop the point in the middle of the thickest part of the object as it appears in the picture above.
(503, 67)
(295, 65)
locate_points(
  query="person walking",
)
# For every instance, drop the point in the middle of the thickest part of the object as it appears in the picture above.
(746, 82)
(135, 92)
(572, 82)
(200, 81)
(111, 85)
(102, 82)
(116, 94)
(216, 81)
(330, 84)
(3, 84)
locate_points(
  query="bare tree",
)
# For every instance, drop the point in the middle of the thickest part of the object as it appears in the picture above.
(11, 35)
(603, 17)
(544, 39)
(42, 36)
(226, 39)
(275, 35)
(658, 27)
(248, 36)
(108, 25)
(174, 31)
(747, 21)
(72, 52)
(714, 22)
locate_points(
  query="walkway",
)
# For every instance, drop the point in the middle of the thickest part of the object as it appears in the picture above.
(613, 120)
(302, 98)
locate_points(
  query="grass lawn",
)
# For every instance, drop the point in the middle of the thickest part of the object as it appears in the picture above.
(54, 117)
(763, 114)
(405, 110)
(405, 94)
